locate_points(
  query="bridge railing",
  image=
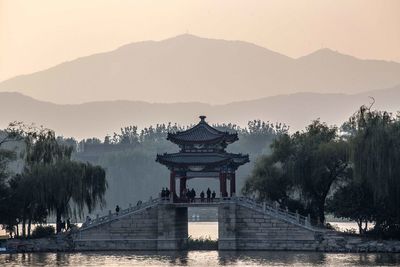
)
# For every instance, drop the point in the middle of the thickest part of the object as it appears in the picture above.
(282, 213)
(111, 216)
(196, 200)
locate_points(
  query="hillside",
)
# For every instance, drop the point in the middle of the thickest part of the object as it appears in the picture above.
(101, 118)
(187, 68)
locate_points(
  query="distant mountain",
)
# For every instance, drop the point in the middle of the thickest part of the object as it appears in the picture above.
(189, 68)
(101, 118)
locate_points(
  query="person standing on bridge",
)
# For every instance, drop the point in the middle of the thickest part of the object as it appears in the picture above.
(213, 196)
(208, 195)
(188, 195)
(167, 193)
(193, 195)
(184, 194)
(117, 209)
(163, 193)
(68, 224)
(202, 196)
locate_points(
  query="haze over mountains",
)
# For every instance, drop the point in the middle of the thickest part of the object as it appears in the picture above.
(101, 118)
(189, 68)
(177, 79)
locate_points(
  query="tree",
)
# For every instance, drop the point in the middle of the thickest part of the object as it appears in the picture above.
(303, 167)
(375, 153)
(25, 205)
(6, 156)
(354, 201)
(51, 182)
(269, 182)
(66, 184)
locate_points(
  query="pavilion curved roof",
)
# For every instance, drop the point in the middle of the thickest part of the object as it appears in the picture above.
(195, 158)
(202, 133)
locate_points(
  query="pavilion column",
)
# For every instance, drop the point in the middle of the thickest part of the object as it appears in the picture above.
(233, 184)
(172, 184)
(182, 185)
(222, 184)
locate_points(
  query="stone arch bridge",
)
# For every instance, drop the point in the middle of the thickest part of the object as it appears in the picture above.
(163, 225)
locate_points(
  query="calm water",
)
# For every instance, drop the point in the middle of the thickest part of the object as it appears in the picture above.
(199, 258)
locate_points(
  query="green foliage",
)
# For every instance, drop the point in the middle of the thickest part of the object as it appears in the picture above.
(301, 170)
(354, 201)
(6, 156)
(66, 182)
(202, 243)
(375, 143)
(51, 183)
(43, 231)
(269, 181)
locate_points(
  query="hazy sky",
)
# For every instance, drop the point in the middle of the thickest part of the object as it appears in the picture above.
(35, 35)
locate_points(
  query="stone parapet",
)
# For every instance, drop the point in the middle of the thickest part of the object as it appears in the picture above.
(159, 227)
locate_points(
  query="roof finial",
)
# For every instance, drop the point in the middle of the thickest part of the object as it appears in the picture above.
(202, 118)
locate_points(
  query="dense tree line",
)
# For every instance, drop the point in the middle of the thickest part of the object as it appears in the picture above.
(353, 172)
(49, 184)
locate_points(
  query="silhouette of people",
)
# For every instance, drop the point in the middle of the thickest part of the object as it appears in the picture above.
(62, 226)
(167, 193)
(193, 195)
(68, 224)
(184, 193)
(213, 196)
(188, 195)
(202, 196)
(117, 209)
(208, 195)
(163, 193)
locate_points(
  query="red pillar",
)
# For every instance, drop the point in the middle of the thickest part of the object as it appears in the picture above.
(223, 184)
(182, 185)
(233, 184)
(172, 183)
(220, 183)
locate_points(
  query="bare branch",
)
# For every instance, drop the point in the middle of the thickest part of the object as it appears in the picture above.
(371, 103)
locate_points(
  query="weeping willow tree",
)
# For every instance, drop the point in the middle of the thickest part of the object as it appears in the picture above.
(66, 184)
(52, 180)
(375, 142)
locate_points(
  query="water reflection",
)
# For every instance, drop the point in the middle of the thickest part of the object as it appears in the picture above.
(199, 258)
(267, 258)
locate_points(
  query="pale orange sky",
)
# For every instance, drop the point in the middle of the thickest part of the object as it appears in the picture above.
(35, 35)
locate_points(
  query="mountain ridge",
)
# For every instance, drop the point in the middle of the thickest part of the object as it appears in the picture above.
(97, 119)
(187, 68)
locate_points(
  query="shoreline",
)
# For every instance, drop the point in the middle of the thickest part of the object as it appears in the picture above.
(59, 244)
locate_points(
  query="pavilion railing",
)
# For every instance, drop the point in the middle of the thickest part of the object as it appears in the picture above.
(196, 200)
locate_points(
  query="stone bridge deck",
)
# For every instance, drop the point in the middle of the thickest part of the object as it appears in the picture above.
(161, 224)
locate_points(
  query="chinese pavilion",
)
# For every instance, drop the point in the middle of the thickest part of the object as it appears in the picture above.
(202, 154)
